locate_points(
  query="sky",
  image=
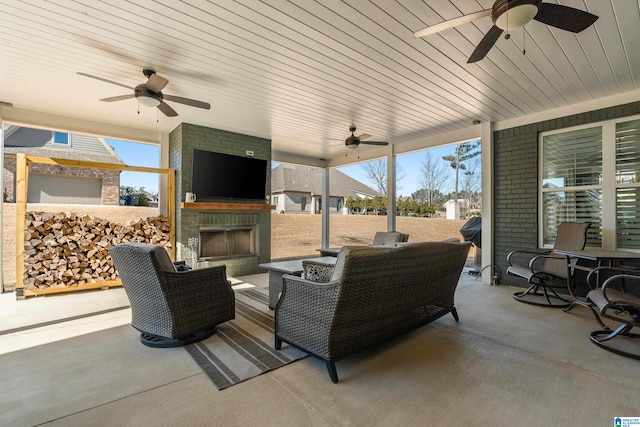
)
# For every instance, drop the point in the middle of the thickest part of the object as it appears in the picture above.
(409, 165)
(134, 154)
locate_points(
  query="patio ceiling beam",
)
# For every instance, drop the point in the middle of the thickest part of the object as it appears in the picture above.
(93, 165)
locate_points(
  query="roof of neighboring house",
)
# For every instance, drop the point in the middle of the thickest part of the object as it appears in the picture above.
(302, 179)
(39, 142)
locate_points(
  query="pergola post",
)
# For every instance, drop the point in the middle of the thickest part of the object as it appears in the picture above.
(22, 175)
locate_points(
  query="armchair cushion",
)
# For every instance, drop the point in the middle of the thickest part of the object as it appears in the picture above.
(162, 257)
(388, 238)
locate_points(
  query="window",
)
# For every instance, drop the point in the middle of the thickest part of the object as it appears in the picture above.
(571, 182)
(61, 138)
(628, 185)
(590, 174)
(303, 203)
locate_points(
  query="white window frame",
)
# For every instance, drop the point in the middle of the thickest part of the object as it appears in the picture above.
(608, 187)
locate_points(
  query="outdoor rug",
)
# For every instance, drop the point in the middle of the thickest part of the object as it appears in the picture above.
(243, 348)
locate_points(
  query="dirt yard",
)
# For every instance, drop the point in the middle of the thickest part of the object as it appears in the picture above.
(292, 235)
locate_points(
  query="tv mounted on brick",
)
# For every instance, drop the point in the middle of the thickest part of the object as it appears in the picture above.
(218, 175)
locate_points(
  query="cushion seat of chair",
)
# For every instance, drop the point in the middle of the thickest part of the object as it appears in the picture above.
(597, 297)
(520, 270)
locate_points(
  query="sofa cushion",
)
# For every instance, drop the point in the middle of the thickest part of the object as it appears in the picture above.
(345, 251)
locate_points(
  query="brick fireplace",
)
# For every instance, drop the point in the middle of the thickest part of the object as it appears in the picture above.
(236, 233)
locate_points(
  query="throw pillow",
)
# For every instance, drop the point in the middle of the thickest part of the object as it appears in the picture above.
(317, 271)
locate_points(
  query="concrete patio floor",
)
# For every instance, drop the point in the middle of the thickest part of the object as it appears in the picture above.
(504, 363)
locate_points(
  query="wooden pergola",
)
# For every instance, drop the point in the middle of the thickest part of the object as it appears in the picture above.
(22, 180)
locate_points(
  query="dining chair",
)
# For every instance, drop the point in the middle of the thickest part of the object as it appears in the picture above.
(616, 302)
(546, 272)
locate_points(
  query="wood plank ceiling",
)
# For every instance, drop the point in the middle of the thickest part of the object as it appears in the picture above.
(301, 72)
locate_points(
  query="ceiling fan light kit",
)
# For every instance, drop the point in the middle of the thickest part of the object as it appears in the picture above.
(513, 14)
(510, 15)
(146, 97)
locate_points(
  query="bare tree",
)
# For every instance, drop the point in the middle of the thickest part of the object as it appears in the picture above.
(376, 171)
(434, 176)
(471, 177)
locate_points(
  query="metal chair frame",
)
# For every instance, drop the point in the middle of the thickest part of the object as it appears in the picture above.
(617, 305)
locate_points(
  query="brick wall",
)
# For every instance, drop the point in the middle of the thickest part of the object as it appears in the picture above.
(182, 141)
(110, 178)
(516, 181)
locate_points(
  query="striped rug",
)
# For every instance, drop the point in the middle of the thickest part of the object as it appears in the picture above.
(243, 348)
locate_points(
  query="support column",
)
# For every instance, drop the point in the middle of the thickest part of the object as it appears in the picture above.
(487, 201)
(391, 188)
(326, 191)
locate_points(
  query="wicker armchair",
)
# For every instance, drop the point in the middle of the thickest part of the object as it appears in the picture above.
(374, 294)
(171, 308)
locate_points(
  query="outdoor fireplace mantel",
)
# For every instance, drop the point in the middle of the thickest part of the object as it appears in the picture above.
(227, 206)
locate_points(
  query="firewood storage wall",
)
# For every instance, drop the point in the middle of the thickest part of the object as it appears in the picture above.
(105, 278)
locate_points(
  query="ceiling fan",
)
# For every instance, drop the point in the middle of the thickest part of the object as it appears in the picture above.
(513, 14)
(149, 94)
(354, 141)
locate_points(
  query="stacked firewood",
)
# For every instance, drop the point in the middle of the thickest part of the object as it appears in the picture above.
(71, 249)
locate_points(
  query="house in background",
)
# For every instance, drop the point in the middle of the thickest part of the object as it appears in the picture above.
(61, 184)
(298, 189)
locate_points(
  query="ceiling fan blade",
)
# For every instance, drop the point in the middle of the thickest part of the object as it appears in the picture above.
(167, 110)
(451, 23)
(374, 142)
(485, 45)
(156, 83)
(363, 136)
(104, 80)
(118, 98)
(565, 17)
(187, 101)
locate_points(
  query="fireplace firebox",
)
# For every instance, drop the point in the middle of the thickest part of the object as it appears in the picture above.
(226, 242)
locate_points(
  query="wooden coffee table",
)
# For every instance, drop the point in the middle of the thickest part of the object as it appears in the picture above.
(280, 268)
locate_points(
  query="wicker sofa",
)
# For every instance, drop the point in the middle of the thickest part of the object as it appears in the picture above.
(373, 294)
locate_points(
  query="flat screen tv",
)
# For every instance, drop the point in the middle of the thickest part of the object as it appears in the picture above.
(228, 176)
